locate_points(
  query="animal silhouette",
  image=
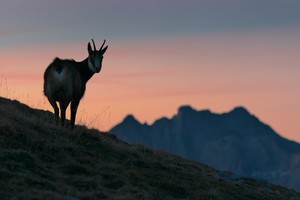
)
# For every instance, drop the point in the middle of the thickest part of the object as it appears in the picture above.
(65, 81)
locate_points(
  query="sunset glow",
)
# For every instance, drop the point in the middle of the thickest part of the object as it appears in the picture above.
(152, 67)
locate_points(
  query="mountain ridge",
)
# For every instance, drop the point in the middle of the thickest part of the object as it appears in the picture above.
(236, 141)
(39, 160)
(184, 109)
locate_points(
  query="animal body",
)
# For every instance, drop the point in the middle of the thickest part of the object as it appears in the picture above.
(65, 81)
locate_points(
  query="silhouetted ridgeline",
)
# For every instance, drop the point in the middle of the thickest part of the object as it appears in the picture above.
(236, 141)
(41, 161)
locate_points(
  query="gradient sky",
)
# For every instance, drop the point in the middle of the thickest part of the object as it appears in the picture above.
(211, 54)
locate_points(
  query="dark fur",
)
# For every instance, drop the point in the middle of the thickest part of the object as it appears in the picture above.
(65, 82)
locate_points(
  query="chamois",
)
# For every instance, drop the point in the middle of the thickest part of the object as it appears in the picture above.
(65, 81)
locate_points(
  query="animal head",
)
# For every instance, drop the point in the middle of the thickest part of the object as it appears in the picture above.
(95, 57)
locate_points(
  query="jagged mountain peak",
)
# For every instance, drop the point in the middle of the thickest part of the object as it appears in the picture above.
(236, 141)
(130, 119)
(239, 110)
(189, 110)
(99, 166)
(186, 109)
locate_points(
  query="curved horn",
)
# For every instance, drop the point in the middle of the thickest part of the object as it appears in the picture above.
(102, 45)
(94, 45)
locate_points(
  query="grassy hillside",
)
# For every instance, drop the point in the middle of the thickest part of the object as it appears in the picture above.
(41, 161)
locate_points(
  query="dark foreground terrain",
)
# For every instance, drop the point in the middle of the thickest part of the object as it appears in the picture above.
(41, 161)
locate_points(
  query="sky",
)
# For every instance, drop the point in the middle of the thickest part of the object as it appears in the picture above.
(210, 54)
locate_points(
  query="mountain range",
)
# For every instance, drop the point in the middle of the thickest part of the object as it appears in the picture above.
(39, 160)
(236, 141)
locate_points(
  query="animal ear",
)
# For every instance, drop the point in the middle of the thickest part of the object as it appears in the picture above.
(103, 50)
(89, 48)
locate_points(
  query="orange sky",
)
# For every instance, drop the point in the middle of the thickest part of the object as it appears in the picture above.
(152, 78)
(212, 54)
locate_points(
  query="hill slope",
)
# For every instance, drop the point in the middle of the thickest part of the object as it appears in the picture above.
(41, 161)
(236, 141)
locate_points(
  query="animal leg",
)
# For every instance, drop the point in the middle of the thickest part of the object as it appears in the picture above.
(63, 107)
(74, 106)
(55, 107)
